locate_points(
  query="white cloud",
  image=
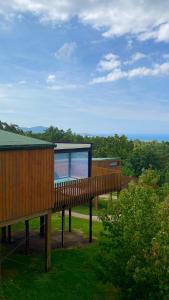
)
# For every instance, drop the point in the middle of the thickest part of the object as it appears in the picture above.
(130, 44)
(144, 19)
(3, 94)
(112, 76)
(109, 62)
(119, 73)
(66, 51)
(135, 57)
(161, 34)
(51, 78)
(63, 87)
(22, 82)
(166, 56)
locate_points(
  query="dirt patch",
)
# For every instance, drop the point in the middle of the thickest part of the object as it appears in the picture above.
(74, 239)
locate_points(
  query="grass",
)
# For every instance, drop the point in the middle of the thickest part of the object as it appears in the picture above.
(103, 203)
(84, 209)
(72, 276)
(77, 224)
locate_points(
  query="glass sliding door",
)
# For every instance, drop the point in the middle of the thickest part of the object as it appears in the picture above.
(62, 165)
(70, 165)
(79, 164)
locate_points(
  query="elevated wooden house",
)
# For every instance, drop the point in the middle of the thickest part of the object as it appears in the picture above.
(38, 178)
(26, 183)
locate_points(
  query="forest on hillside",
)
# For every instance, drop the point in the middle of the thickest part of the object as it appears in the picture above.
(136, 156)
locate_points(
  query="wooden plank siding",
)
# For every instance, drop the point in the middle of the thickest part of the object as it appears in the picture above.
(26, 183)
(69, 194)
(105, 165)
(99, 171)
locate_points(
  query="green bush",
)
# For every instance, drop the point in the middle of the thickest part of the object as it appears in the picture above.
(103, 204)
(134, 248)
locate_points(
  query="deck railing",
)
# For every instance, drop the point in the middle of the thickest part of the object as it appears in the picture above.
(80, 191)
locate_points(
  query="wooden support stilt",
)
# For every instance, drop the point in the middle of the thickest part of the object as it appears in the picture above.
(70, 219)
(3, 237)
(47, 242)
(9, 233)
(1, 258)
(27, 237)
(63, 226)
(42, 226)
(90, 221)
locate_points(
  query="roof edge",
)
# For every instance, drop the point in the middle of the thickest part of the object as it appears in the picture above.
(27, 147)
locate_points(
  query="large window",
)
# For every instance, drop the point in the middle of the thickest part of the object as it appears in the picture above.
(79, 164)
(71, 165)
(61, 167)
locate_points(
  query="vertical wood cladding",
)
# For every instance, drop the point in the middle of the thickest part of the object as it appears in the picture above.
(106, 164)
(26, 183)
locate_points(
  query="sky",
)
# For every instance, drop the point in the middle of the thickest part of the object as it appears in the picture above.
(95, 66)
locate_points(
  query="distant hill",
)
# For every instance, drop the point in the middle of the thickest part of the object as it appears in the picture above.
(36, 129)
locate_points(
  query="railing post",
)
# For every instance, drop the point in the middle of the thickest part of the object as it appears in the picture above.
(70, 219)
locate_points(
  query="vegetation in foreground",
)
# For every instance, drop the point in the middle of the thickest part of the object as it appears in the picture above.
(72, 278)
(103, 203)
(134, 250)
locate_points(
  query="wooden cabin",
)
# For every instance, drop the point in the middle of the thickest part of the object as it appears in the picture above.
(26, 177)
(26, 185)
(38, 178)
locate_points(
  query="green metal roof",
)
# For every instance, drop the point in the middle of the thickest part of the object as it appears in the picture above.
(9, 140)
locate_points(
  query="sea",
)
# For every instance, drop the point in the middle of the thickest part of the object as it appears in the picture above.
(137, 136)
(149, 137)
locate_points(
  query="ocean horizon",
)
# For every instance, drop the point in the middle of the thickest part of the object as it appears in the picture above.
(148, 137)
(138, 136)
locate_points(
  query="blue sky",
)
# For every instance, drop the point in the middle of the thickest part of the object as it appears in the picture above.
(94, 66)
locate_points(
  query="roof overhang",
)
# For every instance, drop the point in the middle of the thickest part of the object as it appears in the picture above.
(71, 147)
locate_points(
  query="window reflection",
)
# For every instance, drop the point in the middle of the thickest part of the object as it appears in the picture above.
(79, 164)
(61, 167)
(71, 165)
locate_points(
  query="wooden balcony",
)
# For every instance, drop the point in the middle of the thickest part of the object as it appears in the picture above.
(69, 194)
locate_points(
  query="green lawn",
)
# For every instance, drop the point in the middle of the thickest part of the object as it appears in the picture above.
(103, 203)
(84, 209)
(77, 224)
(72, 276)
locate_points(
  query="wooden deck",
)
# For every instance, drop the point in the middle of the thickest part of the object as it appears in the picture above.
(77, 192)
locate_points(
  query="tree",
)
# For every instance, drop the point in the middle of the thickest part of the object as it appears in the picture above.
(134, 251)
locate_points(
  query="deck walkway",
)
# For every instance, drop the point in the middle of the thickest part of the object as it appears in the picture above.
(82, 216)
(78, 192)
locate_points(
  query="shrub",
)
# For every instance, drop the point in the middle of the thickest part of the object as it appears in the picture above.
(134, 248)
